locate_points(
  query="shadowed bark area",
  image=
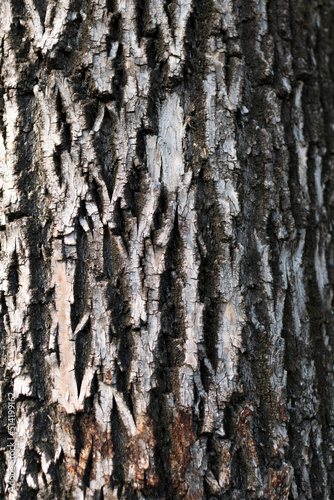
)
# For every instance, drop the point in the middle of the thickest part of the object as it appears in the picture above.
(166, 249)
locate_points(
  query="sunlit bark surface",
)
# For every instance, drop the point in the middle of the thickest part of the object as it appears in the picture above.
(167, 258)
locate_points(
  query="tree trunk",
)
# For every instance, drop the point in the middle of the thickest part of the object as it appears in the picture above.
(167, 258)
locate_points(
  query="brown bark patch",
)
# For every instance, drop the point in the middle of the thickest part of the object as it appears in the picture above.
(185, 479)
(245, 424)
(140, 452)
(94, 442)
(282, 414)
(223, 450)
(280, 483)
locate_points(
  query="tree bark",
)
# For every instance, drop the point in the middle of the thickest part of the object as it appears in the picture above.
(167, 258)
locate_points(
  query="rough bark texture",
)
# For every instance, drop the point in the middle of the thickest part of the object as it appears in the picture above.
(167, 257)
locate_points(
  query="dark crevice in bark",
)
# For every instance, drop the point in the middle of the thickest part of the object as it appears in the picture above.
(20, 42)
(34, 358)
(120, 330)
(119, 80)
(260, 391)
(26, 492)
(141, 146)
(104, 147)
(96, 193)
(169, 7)
(129, 493)
(119, 307)
(64, 55)
(205, 374)
(213, 462)
(160, 411)
(41, 6)
(52, 14)
(209, 220)
(13, 275)
(78, 431)
(160, 414)
(67, 137)
(134, 191)
(122, 224)
(85, 88)
(56, 344)
(42, 434)
(169, 357)
(61, 118)
(63, 125)
(142, 18)
(239, 474)
(119, 443)
(27, 181)
(249, 23)
(111, 6)
(197, 33)
(80, 277)
(108, 264)
(57, 164)
(90, 109)
(94, 394)
(82, 348)
(211, 234)
(18, 8)
(16, 216)
(115, 28)
(57, 473)
(122, 368)
(158, 77)
(161, 209)
(171, 307)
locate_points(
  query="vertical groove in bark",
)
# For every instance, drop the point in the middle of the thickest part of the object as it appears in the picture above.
(166, 211)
